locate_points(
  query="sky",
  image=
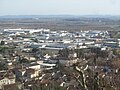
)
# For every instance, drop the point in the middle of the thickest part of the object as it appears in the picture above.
(59, 7)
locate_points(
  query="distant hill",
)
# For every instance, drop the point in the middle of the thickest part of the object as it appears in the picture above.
(61, 16)
(36, 16)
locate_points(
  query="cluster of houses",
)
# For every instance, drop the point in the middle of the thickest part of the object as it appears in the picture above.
(47, 39)
(34, 49)
(56, 40)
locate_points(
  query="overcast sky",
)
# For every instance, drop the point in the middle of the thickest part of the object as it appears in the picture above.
(58, 7)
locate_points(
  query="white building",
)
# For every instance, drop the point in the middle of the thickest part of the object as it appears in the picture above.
(6, 78)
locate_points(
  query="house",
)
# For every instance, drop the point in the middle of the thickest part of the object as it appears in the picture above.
(119, 42)
(67, 62)
(30, 58)
(15, 86)
(46, 66)
(31, 73)
(111, 44)
(6, 78)
(19, 72)
(25, 74)
(35, 66)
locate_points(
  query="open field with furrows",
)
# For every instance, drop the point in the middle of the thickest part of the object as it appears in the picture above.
(70, 23)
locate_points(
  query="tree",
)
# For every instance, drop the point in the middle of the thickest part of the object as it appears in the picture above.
(64, 53)
(2, 42)
(35, 50)
(36, 40)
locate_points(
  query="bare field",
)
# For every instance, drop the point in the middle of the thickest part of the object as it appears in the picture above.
(63, 23)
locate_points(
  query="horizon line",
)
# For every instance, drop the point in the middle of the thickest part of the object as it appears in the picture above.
(61, 15)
